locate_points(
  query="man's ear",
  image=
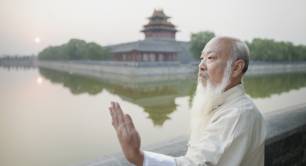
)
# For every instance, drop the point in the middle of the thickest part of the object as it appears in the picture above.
(238, 68)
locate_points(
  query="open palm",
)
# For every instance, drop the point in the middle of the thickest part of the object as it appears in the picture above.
(127, 134)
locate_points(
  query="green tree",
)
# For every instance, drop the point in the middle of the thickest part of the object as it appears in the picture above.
(96, 52)
(198, 42)
(75, 49)
(270, 50)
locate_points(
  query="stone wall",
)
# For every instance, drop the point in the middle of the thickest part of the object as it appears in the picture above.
(286, 139)
(120, 68)
(149, 69)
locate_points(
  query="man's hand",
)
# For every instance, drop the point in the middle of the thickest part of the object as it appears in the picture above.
(128, 136)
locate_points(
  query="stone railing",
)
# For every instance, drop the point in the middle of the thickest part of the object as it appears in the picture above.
(286, 138)
(285, 141)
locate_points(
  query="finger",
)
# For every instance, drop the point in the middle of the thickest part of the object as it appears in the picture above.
(117, 106)
(129, 121)
(119, 113)
(119, 120)
(111, 112)
(112, 104)
(115, 112)
(129, 124)
(114, 117)
(121, 125)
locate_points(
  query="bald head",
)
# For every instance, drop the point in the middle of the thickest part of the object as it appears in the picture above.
(230, 48)
(224, 62)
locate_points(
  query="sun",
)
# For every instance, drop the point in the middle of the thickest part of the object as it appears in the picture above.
(39, 80)
(37, 40)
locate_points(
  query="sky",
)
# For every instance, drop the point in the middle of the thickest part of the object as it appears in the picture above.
(28, 26)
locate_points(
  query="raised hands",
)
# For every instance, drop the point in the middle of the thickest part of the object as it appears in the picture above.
(127, 134)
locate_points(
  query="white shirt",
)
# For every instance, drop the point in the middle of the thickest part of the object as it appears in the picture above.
(234, 136)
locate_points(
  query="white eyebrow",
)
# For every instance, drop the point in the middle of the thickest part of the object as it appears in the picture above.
(208, 52)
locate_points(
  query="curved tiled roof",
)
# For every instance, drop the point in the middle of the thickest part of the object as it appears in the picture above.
(156, 45)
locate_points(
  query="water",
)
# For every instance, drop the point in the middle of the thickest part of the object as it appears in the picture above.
(53, 118)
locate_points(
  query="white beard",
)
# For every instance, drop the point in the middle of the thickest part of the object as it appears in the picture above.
(203, 102)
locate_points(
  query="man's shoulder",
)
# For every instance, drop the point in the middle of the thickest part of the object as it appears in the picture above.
(242, 107)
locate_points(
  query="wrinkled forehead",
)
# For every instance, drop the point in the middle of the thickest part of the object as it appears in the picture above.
(220, 46)
(211, 46)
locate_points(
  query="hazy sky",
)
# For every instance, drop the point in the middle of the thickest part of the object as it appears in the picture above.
(28, 26)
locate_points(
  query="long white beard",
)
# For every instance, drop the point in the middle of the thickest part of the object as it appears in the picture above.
(203, 102)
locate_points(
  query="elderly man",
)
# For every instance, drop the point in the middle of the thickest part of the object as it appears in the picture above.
(226, 127)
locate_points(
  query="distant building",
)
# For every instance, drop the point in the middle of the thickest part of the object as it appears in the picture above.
(159, 44)
(159, 26)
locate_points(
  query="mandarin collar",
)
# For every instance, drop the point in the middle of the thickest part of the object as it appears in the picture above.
(229, 95)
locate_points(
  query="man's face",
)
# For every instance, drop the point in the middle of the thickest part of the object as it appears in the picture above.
(213, 62)
(214, 76)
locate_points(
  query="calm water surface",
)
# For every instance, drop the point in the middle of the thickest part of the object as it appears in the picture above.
(53, 118)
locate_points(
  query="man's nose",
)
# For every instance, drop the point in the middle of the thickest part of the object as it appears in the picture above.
(202, 66)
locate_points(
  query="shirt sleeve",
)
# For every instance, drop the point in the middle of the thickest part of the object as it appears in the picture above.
(157, 159)
(223, 142)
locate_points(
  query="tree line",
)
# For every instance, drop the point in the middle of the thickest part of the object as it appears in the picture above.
(75, 49)
(260, 49)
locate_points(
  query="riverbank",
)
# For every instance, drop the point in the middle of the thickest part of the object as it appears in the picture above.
(275, 68)
(127, 72)
(149, 71)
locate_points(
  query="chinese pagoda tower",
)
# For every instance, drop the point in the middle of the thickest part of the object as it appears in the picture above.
(158, 46)
(159, 26)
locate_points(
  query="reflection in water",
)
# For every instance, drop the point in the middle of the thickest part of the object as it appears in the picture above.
(18, 63)
(76, 84)
(265, 85)
(18, 67)
(158, 98)
(47, 112)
